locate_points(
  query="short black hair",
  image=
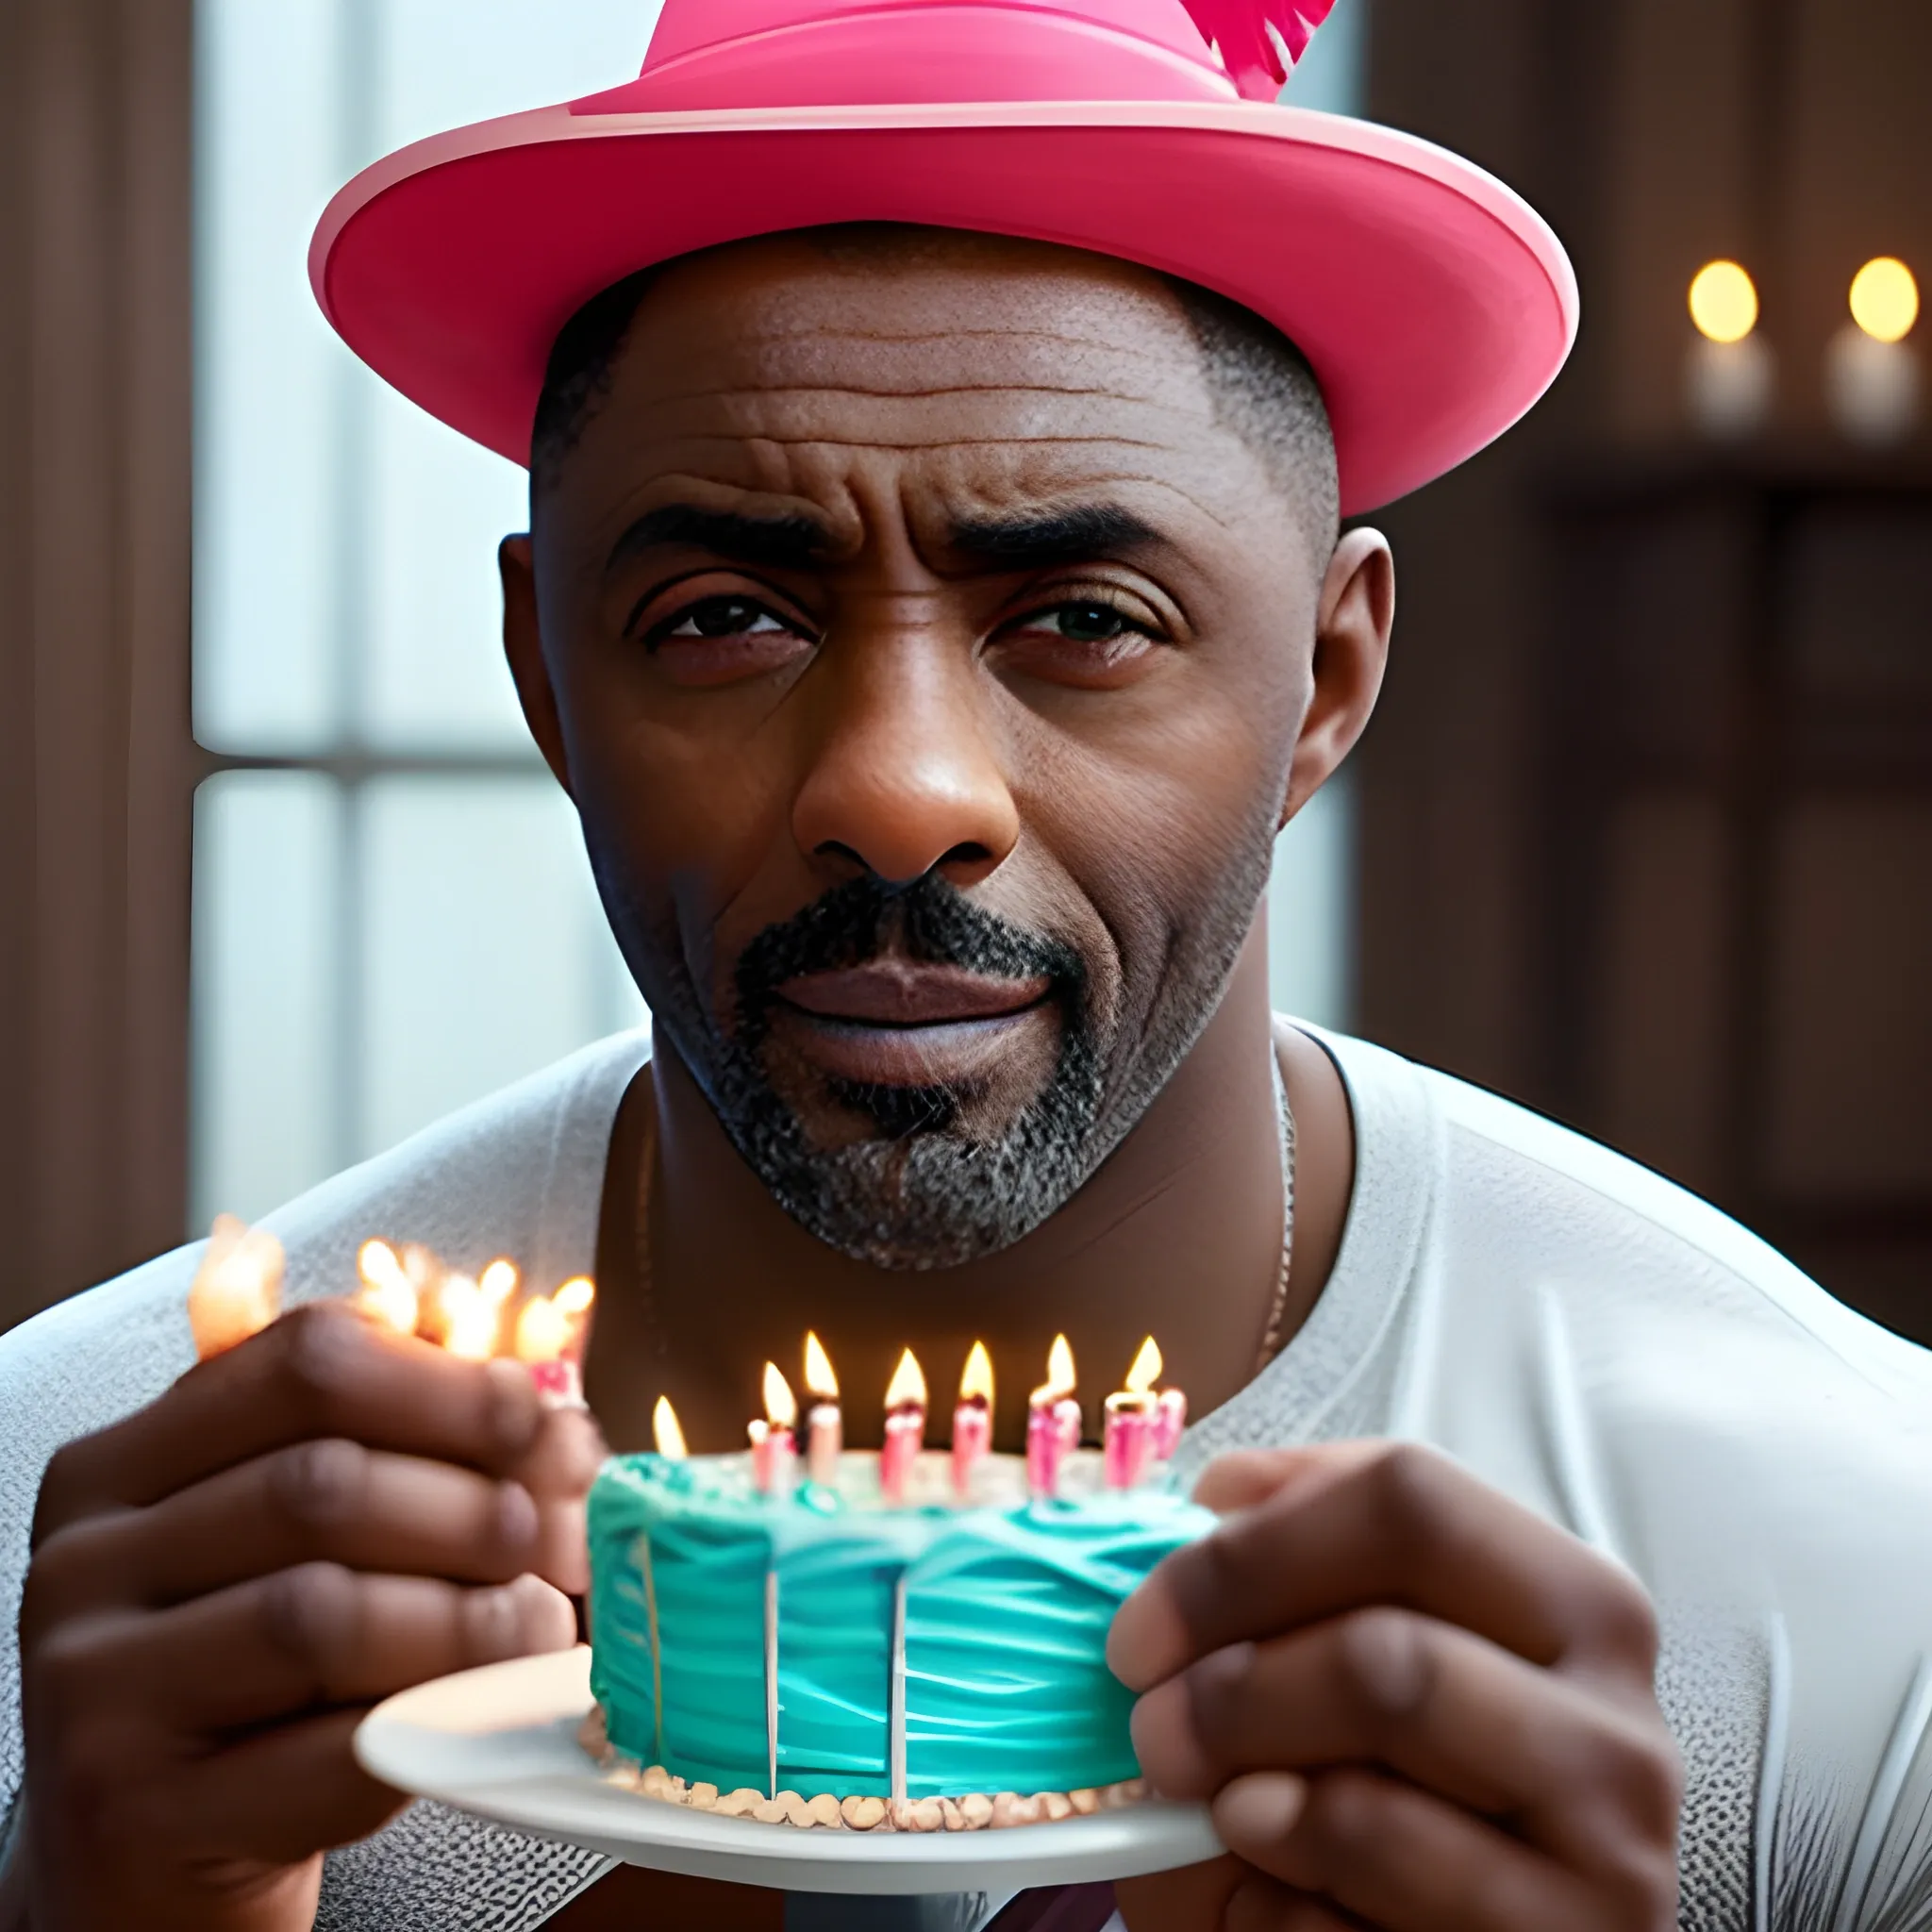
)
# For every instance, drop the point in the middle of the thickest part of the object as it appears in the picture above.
(1263, 387)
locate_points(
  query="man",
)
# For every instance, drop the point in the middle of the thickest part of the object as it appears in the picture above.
(933, 626)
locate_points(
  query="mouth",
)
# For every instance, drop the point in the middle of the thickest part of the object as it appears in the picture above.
(904, 1022)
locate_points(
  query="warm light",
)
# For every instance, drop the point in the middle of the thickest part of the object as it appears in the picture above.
(975, 1379)
(1885, 299)
(498, 1281)
(781, 1410)
(907, 1390)
(470, 1320)
(1724, 302)
(819, 1377)
(542, 1330)
(1060, 1381)
(667, 1432)
(1146, 1368)
(388, 1293)
(237, 1288)
(575, 1296)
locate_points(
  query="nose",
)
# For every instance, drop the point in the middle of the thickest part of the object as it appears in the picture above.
(904, 779)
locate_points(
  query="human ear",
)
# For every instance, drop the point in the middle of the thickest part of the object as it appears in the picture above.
(1353, 620)
(523, 645)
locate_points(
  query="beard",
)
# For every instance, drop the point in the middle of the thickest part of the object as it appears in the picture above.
(922, 1187)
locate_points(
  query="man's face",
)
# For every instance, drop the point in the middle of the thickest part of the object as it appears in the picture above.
(926, 659)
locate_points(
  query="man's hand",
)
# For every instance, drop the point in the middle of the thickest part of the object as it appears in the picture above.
(223, 1584)
(1414, 1705)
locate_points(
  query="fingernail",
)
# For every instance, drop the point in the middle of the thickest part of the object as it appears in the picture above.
(1260, 1809)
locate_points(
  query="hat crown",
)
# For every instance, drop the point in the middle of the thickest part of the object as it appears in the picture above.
(723, 54)
(687, 28)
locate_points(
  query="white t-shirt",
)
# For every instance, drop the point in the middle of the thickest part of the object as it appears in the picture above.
(1576, 1330)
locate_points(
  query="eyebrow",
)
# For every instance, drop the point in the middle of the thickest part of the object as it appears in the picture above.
(1035, 539)
(788, 542)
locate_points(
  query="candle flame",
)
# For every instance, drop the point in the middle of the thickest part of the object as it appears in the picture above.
(388, 1293)
(819, 1377)
(907, 1390)
(542, 1330)
(469, 1320)
(238, 1288)
(1060, 1381)
(498, 1281)
(975, 1379)
(575, 1296)
(1147, 1370)
(667, 1432)
(781, 1409)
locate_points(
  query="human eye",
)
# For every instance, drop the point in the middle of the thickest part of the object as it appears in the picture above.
(723, 637)
(1085, 639)
(719, 617)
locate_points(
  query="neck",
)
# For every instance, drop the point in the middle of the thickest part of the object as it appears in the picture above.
(1178, 1235)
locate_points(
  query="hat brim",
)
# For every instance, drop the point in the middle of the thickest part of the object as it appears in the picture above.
(1434, 304)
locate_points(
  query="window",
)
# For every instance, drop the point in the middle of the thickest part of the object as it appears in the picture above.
(392, 912)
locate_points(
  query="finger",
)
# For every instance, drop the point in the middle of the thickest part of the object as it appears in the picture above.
(1406, 1861)
(557, 1471)
(281, 1797)
(1569, 1770)
(330, 1501)
(313, 1637)
(1389, 1522)
(320, 1371)
(1243, 1477)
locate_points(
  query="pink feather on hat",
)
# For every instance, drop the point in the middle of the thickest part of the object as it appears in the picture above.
(1246, 33)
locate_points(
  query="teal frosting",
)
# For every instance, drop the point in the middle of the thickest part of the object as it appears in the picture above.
(1007, 1614)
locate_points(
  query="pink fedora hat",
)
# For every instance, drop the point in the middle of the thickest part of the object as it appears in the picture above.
(1433, 303)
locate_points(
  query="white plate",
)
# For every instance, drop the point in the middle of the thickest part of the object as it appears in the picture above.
(502, 1741)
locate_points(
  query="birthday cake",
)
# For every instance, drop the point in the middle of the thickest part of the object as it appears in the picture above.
(827, 1654)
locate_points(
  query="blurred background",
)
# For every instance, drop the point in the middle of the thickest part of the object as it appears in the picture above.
(1642, 835)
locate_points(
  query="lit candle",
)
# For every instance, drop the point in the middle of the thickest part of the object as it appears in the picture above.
(667, 1432)
(1872, 375)
(1053, 1422)
(1130, 1421)
(905, 1427)
(550, 1338)
(1729, 374)
(774, 1441)
(973, 1418)
(1170, 1419)
(466, 1316)
(387, 1294)
(825, 1430)
(237, 1288)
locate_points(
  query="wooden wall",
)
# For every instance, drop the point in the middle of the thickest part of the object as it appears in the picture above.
(96, 116)
(1647, 816)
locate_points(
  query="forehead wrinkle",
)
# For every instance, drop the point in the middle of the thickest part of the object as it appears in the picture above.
(781, 390)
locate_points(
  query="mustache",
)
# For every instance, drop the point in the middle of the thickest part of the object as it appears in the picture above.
(929, 919)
